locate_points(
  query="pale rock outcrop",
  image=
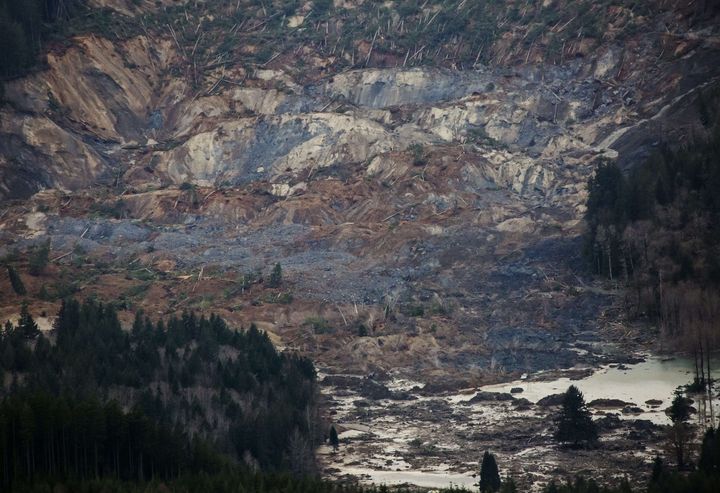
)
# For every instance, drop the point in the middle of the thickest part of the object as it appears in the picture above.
(59, 158)
(246, 149)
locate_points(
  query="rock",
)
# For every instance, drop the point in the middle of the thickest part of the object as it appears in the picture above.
(489, 396)
(632, 410)
(643, 425)
(551, 400)
(384, 88)
(653, 402)
(609, 403)
(368, 388)
(516, 390)
(340, 381)
(517, 225)
(610, 421)
(635, 435)
(605, 65)
(296, 143)
(522, 404)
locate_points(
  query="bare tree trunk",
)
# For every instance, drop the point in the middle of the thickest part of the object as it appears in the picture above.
(709, 386)
(702, 363)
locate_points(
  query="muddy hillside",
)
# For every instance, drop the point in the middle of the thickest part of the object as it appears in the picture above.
(418, 170)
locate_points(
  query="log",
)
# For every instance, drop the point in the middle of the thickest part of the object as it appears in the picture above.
(61, 256)
(372, 45)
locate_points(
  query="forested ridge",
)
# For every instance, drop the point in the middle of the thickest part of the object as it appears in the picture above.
(657, 229)
(194, 374)
(185, 405)
(25, 26)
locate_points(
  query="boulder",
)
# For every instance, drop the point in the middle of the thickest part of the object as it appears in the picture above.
(551, 400)
(490, 396)
(609, 403)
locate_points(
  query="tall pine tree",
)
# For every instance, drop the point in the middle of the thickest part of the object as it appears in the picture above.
(26, 325)
(489, 475)
(334, 440)
(16, 281)
(575, 426)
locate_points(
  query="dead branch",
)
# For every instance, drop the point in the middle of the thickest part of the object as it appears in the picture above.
(61, 256)
(272, 58)
(372, 45)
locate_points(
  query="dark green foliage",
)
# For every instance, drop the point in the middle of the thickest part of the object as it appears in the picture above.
(664, 215)
(26, 325)
(575, 426)
(508, 486)
(334, 440)
(606, 218)
(24, 25)
(275, 276)
(582, 485)
(318, 325)
(320, 7)
(39, 258)
(680, 408)
(489, 475)
(710, 453)
(117, 209)
(193, 371)
(413, 310)
(697, 482)
(417, 151)
(16, 281)
(230, 480)
(16, 54)
(666, 482)
(658, 469)
(46, 436)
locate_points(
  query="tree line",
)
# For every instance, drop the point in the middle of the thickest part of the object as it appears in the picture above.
(43, 436)
(657, 229)
(230, 387)
(24, 26)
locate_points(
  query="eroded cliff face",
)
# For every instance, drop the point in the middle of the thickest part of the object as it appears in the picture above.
(439, 207)
(139, 109)
(64, 127)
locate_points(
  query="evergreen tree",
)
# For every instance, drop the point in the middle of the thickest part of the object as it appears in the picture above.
(16, 281)
(710, 453)
(658, 469)
(14, 48)
(680, 408)
(489, 475)
(26, 325)
(39, 259)
(275, 276)
(334, 440)
(574, 424)
(7, 357)
(93, 356)
(679, 433)
(509, 486)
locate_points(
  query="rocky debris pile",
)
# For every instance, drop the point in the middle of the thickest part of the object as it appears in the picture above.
(367, 388)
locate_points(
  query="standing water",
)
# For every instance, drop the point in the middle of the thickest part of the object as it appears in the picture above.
(653, 379)
(380, 448)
